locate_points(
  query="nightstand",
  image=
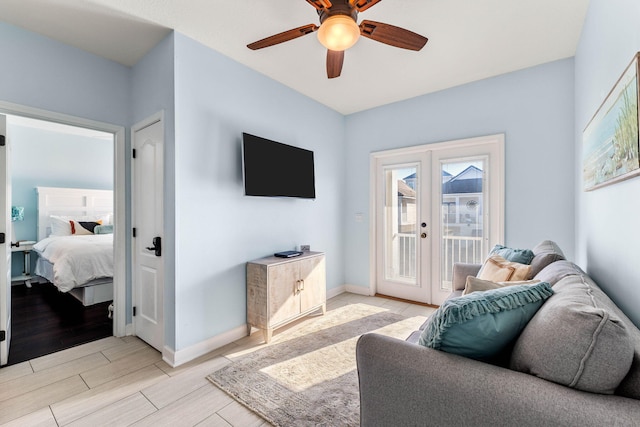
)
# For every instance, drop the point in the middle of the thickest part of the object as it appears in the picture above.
(24, 246)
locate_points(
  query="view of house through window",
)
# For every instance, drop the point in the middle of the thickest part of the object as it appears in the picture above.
(401, 224)
(462, 215)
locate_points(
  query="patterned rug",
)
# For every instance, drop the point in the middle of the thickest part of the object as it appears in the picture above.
(307, 374)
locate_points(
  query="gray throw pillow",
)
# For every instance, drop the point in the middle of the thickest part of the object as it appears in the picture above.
(576, 340)
(546, 252)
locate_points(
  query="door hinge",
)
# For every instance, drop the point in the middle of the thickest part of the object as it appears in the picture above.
(134, 153)
(134, 232)
(134, 311)
(2, 141)
(2, 237)
(3, 335)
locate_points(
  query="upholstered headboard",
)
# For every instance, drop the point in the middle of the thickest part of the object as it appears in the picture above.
(70, 202)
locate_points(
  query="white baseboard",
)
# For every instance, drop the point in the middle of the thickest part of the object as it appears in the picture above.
(177, 358)
(360, 290)
(354, 289)
(334, 292)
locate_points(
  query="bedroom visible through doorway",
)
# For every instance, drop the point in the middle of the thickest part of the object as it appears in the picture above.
(49, 154)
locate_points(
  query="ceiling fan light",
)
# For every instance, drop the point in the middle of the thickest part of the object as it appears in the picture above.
(338, 32)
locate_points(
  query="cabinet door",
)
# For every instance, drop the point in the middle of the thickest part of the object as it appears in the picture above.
(312, 271)
(284, 302)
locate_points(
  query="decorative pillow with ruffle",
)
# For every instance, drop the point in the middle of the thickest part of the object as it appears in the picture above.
(481, 324)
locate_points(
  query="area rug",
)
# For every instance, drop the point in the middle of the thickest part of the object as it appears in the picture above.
(307, 374)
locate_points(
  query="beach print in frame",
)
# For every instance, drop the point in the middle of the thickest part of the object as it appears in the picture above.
(610, 140)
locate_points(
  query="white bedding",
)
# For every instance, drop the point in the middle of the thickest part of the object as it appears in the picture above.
(77, 259)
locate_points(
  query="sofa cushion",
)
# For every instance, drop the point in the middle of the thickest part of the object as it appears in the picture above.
(481, 324)
(478, 285)
(545, 253)
(523, 256)
(557, 271)
(575, 339)
(498, 269)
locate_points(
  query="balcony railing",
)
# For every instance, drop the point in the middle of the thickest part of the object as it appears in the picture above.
(454, 249)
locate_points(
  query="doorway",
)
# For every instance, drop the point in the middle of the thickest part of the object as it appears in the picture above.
(117, 132)
(433, 206)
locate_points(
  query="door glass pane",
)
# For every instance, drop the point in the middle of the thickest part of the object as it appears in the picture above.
(462, 215)
(400, 223)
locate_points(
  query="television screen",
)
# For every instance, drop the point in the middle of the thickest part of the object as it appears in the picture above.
(273, 169)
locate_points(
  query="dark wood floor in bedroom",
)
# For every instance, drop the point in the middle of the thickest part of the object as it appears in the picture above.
(45, 321)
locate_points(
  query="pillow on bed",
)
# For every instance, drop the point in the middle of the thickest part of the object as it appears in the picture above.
(61, 225)
(103, 229)
(83, 227)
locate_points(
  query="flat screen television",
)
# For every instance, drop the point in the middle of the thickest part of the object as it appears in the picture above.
(273, 169)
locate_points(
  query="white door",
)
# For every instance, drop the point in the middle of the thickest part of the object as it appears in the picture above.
(147, 197)
(5, 244)
(436, 205)
(403, 184)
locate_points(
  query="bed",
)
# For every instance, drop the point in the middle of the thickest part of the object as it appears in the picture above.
(70, 255)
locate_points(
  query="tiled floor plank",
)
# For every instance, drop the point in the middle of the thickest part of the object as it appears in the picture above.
(166, 392)
(237, 415)
(121, 367)
(40, 379)
(19, 406)
(92, 400)
(41, 418)
(120, 413)
(73, 353)
(189, 410)
(8, 373)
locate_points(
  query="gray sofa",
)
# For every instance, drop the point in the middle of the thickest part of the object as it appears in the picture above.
(576, 363)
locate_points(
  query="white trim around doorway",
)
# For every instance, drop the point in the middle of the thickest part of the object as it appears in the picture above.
(119, 242)
(497, 139)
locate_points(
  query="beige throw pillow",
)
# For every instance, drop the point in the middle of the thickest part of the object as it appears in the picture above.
(498, 269)
(478, 285)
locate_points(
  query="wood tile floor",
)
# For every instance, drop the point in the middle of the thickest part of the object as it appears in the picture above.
(123, 381)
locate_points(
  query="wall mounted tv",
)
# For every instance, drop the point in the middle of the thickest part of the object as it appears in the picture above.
(273, 169)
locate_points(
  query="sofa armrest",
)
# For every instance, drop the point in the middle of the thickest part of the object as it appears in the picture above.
(405, 384)
(460, 273)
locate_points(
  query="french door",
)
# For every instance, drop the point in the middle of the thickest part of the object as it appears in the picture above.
(435, 205)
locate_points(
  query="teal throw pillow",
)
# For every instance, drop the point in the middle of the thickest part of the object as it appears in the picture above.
(103, 229)
(481, 324)
(522, 256)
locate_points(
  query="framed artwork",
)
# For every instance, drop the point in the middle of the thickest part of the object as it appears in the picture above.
(610, 140)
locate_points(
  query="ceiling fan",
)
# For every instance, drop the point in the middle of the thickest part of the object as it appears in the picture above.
(338, 31)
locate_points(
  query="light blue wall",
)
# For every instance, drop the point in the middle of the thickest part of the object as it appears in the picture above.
(533, 107)
(42, 73)
(217, 228)
(607, 230)
(42, 158)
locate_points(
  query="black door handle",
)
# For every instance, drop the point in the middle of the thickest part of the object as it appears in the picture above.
(157, 246)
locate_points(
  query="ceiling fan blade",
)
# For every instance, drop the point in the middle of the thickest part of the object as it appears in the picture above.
(335, 60)
(320, 4)
(283, 37)
(392, 35)
(362, 5)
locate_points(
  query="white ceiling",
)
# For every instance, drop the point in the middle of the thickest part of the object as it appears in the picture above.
(469, 40)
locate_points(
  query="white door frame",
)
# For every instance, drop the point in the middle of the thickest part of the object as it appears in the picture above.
(119, 237)
(497, 218)
(5, 248)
